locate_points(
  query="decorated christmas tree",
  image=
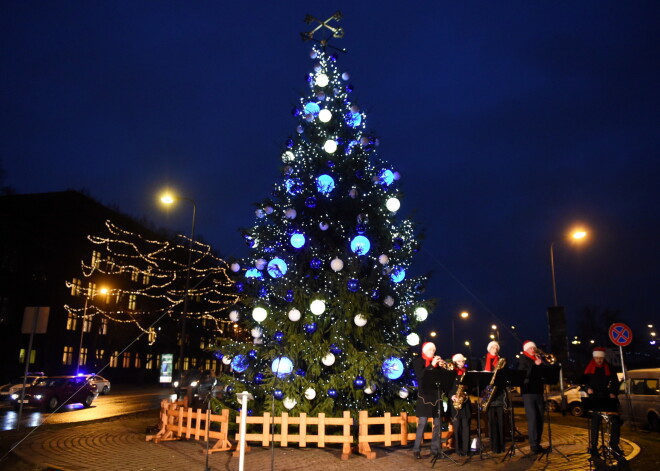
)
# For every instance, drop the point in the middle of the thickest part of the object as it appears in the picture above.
(326, 291)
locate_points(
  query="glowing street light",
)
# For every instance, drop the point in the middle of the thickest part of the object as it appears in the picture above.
(464, 315)
(168, 199)
(576, 235)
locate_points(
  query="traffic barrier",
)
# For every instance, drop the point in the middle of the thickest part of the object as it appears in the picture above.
(303, 437)
(178, 421)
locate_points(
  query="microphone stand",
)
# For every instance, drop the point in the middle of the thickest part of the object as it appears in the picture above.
(441, 453)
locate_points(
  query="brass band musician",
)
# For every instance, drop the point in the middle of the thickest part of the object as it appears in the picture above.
(532, 393)
(495, 409)
(459, 407)
(429, 399)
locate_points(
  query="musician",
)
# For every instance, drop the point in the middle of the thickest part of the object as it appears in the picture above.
(496, 408)
(429, 399)
(602, 385)
(460, 416)
(532, 394)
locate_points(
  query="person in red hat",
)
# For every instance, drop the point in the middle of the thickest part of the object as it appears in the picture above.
(602, 386)
(532, 394)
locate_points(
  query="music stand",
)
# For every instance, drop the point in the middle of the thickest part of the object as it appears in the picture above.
(440, 379)
(550, 375)
(512, 378)
(475, 379)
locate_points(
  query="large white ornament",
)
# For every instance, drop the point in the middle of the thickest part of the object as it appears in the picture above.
(383, 259)
(289, 403)
(256, 332)
(337, 264)
(226, 360)
(393, 205)
(330, 146)
(294, 315)
(259, 213)
(388, 301)
(421, 313)
(260, 263)
(370, 389)
(310, 394)
(235, 267)
(322, 80)
(360, 320)
(288, 156)
(259, 314)
(325, 115)
(329, 359)
(345, 76)
(317, 307)
(412, 339)
(234, 316)
(403, 393)
(290, 213)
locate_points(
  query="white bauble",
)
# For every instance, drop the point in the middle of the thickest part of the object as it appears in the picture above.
(388, 301)
(325, 115)
(412, 339)
(260, 263)
(226, 360)
(329, 359)
(322, 80)
(324, 226)
(317, 307)
(360, 320)
(300, 129)
(370, 389)
(345, 76)
(289, 403)
(310, 394)
(421, 313)
(294, 315)
(260, 213)
(256, 332)
(290, 213)
(288, 156)
(234, 316)
(235, 267)
(337, 264)
(330, 146)
(383, 259)
(259, 314)
(403, 393)
(393, 205)
(313, 54)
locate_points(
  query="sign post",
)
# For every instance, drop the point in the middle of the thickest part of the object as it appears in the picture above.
(621, 335)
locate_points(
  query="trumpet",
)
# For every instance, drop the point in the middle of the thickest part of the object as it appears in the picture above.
(447, 365)
(549, 358)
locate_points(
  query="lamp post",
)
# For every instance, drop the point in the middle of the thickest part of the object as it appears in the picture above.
(91, 292)
(576, 235)
(170, 199)
(464, 315)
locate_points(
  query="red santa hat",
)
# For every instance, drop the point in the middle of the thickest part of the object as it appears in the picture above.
(599, 352)
(528, 344)
(426, 349)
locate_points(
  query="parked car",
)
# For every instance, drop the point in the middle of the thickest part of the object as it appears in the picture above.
(15, 385)
(103, 385)
(643, 387)
(50, 392)
(196, 386)
(573, 396)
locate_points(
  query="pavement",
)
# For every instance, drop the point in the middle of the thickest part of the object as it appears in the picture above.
(119, 444)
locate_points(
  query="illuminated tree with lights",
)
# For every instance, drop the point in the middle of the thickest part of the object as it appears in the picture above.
(147, 280)
(328, 297)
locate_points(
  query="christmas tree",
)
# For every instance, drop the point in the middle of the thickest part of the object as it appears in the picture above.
(326, 291)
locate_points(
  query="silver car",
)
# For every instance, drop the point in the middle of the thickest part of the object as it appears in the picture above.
(15, 385)
(102, 384)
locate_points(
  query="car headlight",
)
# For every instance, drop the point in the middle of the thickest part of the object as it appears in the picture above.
(194, 384)
(14, 396)
(38, 397)
(175, 384)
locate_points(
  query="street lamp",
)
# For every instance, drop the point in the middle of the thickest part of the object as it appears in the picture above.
(469, 346)
(576, 235)
(91, 292)
(497, 332)
(170, 199)
(464, 315)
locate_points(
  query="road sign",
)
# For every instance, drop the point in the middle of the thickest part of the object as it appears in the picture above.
(620, 334)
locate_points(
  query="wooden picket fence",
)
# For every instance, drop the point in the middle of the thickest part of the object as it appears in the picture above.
(177, 422)
(304, 435)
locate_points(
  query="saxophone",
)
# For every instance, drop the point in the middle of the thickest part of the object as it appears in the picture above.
(489, 391)
(461, 395)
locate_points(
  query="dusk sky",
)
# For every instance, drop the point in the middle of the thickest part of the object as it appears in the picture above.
(510, 122)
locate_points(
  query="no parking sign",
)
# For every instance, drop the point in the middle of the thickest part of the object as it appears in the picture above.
(620, 334)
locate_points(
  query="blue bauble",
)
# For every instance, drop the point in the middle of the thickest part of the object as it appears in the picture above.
(392, 368)
(325, 184)
(404, 318)
(415, 383)
(249, 242)
(282, 367)
(253, 273)
(312, 108)
(252, 354)
(288, 297)
(360, 245)
(353, 285)
(295, 112)
(278, 336)
(290, 229)
(315, 263)
(258, 378)
(229, 389)
(332, 393)
(359, 382)
(297, 240)
(397, 243)
(278, 394)
(360, 228)
(348, 88)
(277, 268)
(240, 363)
(334, 349)
(310, 328)
(334, 56)
(239, 287)
(310, 202)
(386, 177)
(218, 354)
(293, 186)
(353, 119)
(289, 143)
(375, 294)
(300, 372)
(330, 164)
(263, 292)
(398, 274)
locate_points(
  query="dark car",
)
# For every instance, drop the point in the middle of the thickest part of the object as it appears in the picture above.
(196, 386)
(50, 392)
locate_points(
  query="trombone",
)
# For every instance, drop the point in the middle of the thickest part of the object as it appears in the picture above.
(549, 358)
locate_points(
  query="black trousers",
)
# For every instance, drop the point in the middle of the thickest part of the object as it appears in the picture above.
(534, 409)
(461, 423)
(496, 428)
(615, 430)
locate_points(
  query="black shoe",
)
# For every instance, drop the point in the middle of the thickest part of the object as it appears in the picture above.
(618, 452)
(417, 455)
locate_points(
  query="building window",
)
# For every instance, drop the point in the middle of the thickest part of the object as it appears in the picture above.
(86, 324)
(138, 360)
(127, 360)
(135, 274)
(71, 321)
(185, 363)
(202, 344)
(114, 359)
(207, 364)
(146, 278)
(76, 287)
(83, 356)
(96, 258)
(150, 361)
(110, 264)
(103, 328)
(131, 302)
(21, 356)
(99, 356)
(67, 357)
